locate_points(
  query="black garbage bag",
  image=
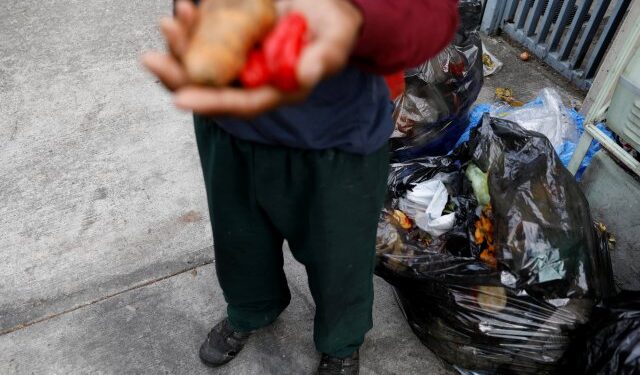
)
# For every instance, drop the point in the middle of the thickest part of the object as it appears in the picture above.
(610, 344)
(432, 113)
(504, 289)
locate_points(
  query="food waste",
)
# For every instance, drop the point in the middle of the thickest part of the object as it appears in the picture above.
(242, 41)
(483, 237)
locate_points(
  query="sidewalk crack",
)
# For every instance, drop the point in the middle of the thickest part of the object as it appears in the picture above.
(104, 298)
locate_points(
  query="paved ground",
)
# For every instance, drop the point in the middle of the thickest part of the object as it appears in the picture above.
(524, 78)
(157, 329)
(99, 176)
(106, 257)
(614, 197)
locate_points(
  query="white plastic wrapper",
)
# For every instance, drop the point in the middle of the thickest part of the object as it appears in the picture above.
(425, 204)
(490, 63)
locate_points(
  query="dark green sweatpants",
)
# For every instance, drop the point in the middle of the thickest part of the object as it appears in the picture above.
(324, 203)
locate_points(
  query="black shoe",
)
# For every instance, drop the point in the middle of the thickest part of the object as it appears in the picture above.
(339, 366)
(222, 345)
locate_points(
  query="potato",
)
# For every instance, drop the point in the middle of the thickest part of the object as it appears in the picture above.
(226, 31)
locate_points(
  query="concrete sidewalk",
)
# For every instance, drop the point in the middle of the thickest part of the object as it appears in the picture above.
(106, 257)
(157, 329)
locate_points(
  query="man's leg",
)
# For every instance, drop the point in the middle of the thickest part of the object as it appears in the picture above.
(248, 249)
(327, 204)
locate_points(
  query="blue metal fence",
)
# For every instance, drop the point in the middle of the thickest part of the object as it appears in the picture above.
(572, 36)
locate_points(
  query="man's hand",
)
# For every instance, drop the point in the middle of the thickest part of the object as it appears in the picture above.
(334, 28)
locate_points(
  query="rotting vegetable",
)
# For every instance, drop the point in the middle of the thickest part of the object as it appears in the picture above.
(402, 219)
(479, 182)
(483, 237)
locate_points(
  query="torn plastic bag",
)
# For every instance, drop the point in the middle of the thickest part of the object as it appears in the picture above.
(431, 114)
(511, 310)
(610, 344)
(425, 203)
(546, 115)
(490, 63)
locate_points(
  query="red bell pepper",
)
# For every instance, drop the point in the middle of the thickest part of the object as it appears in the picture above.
(255, 72)
(277, 61)
(282, 49)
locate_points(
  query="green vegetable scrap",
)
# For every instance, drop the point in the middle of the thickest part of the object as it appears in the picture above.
(480, 184)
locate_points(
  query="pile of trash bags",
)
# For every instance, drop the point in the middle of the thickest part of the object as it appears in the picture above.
(432, 112)
(492, 251)
(545, 114)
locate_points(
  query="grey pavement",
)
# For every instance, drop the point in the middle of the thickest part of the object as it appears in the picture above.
(614, 197)
(105, 243)
(99, 176)
(524, 78)
(157, 330)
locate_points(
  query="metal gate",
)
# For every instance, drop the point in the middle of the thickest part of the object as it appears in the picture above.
(572, 36)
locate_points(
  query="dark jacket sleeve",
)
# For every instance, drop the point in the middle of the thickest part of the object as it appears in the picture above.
(401, 34)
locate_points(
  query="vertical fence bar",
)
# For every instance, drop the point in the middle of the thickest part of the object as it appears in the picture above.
(532, 23)
(607, 36)
(574, 29)
(585, 41)
(558, 31)
(493, 16)
(524, 12)
(511, 12)
(561, 23)
(548, 20)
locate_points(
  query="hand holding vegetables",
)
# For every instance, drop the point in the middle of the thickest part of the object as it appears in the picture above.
(222, 46)
(223, 34)
(333, 27)
(276, 62)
